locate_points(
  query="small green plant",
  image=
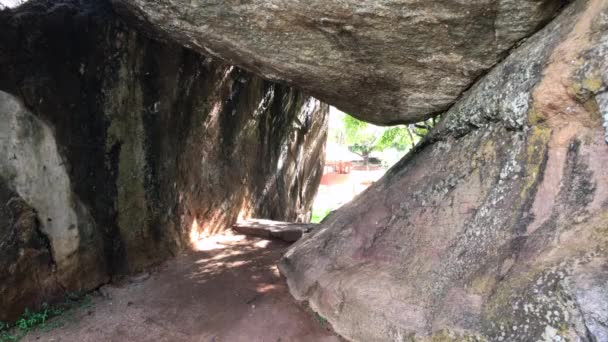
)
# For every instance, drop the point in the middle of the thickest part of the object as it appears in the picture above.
(5, 335)
(321, 319)
(31, 320)
(8, 337)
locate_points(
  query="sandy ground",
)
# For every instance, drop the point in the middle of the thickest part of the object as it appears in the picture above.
(230, 290)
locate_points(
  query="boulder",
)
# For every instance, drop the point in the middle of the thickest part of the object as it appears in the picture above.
(496, 227)
(126, 149)
(385, 62)
(23, 249)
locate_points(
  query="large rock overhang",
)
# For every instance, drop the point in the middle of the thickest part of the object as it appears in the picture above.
(385, 62)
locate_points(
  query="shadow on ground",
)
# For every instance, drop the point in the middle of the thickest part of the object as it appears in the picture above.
(230, 290)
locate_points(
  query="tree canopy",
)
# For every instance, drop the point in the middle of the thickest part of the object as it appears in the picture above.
(364, 138)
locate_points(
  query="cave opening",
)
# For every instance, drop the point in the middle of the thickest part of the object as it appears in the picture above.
(11, 3)
(357, 154)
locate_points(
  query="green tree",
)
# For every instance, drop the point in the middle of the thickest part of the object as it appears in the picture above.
(361, 137)
(364, 138)
(398, 137)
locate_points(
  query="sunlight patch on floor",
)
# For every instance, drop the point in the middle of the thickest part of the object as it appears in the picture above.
(264, 288)
(262, 243)
(214, 242)
(275, 270)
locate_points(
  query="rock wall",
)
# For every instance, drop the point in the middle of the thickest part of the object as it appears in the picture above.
(495, 228)
(117, 149)
(385, 62)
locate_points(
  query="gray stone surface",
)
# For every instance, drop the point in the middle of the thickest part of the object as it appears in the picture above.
(382, 61)
(30, 162)
(602, 101)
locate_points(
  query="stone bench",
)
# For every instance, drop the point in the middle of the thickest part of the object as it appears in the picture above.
(268, 229)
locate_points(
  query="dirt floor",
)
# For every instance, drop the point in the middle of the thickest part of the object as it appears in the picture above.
(230, 290)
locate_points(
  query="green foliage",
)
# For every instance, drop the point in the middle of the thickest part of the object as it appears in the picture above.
(32, 320)
(361, 136)
(5, 335)
(318, 214)
(364, 138)
(396, 137)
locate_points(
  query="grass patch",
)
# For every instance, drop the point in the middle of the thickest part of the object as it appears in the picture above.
(318, 214)
(41, 319)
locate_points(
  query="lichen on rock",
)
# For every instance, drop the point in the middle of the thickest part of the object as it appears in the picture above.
(602, 102)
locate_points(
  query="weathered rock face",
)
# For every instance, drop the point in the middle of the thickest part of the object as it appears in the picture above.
(23, 249)
(47, 236)
(383, 61)
(116, 149)
(496, 227)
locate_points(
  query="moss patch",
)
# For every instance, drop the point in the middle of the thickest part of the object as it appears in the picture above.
(535, 153)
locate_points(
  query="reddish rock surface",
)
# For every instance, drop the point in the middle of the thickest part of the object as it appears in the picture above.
(495, 227)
